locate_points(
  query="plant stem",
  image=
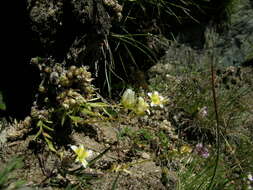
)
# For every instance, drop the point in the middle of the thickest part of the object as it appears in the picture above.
(217, 120)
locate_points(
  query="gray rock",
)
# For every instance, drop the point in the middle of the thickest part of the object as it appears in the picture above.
(231, 48)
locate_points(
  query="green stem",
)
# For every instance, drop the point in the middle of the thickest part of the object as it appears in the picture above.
(217, 121)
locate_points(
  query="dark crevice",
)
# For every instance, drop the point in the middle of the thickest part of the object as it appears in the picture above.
(18, 79)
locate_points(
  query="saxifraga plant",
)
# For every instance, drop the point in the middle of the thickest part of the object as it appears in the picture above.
(66, 99)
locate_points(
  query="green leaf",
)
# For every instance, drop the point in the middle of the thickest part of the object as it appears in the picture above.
(91, 113)
(46, 135)
(40, 123)
(63, 119)
(97, 104)
(76, 119)
(110, 112)
(46, 127)
(47, 121)
(39, 132)
(50, 145)
(12, 165)
(114, 185)
(2, 104)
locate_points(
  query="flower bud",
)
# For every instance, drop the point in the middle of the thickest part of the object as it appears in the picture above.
(77, 72)
(141, 106)
(42, 89)
(65, 106)
(47, 70)
(54, 78)
(72, 101)
(128, 99)
(70, 74)
(72, 68)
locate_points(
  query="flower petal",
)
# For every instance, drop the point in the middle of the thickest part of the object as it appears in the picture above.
(84, 163)
(89, 153)
(74, 148)
(250, 177)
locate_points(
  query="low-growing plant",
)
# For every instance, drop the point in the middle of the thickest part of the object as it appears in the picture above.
(198, 173)
(7, 180)
(208, 110)
(66, 99)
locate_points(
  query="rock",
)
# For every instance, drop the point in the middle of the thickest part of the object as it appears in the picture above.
(109, 134)
(145, 155)
(236, 44)
(232, 47)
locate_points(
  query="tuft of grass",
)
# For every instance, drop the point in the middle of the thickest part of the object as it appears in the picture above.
(7, 180)
(126, 49)
(179, 9)
(198, 175)
(224, 124)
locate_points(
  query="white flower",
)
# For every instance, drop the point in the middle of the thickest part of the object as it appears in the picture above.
(156, 99)
(141, 107)
(128, 99)
(82, 154)
(250, 177)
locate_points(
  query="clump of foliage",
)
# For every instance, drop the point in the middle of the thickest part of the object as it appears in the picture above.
(193, 114)
(7, 180)
(65, 98)
(135, 41)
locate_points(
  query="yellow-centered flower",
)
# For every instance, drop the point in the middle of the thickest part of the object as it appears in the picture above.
(185, 149)
(82, 154)
(156, 99)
